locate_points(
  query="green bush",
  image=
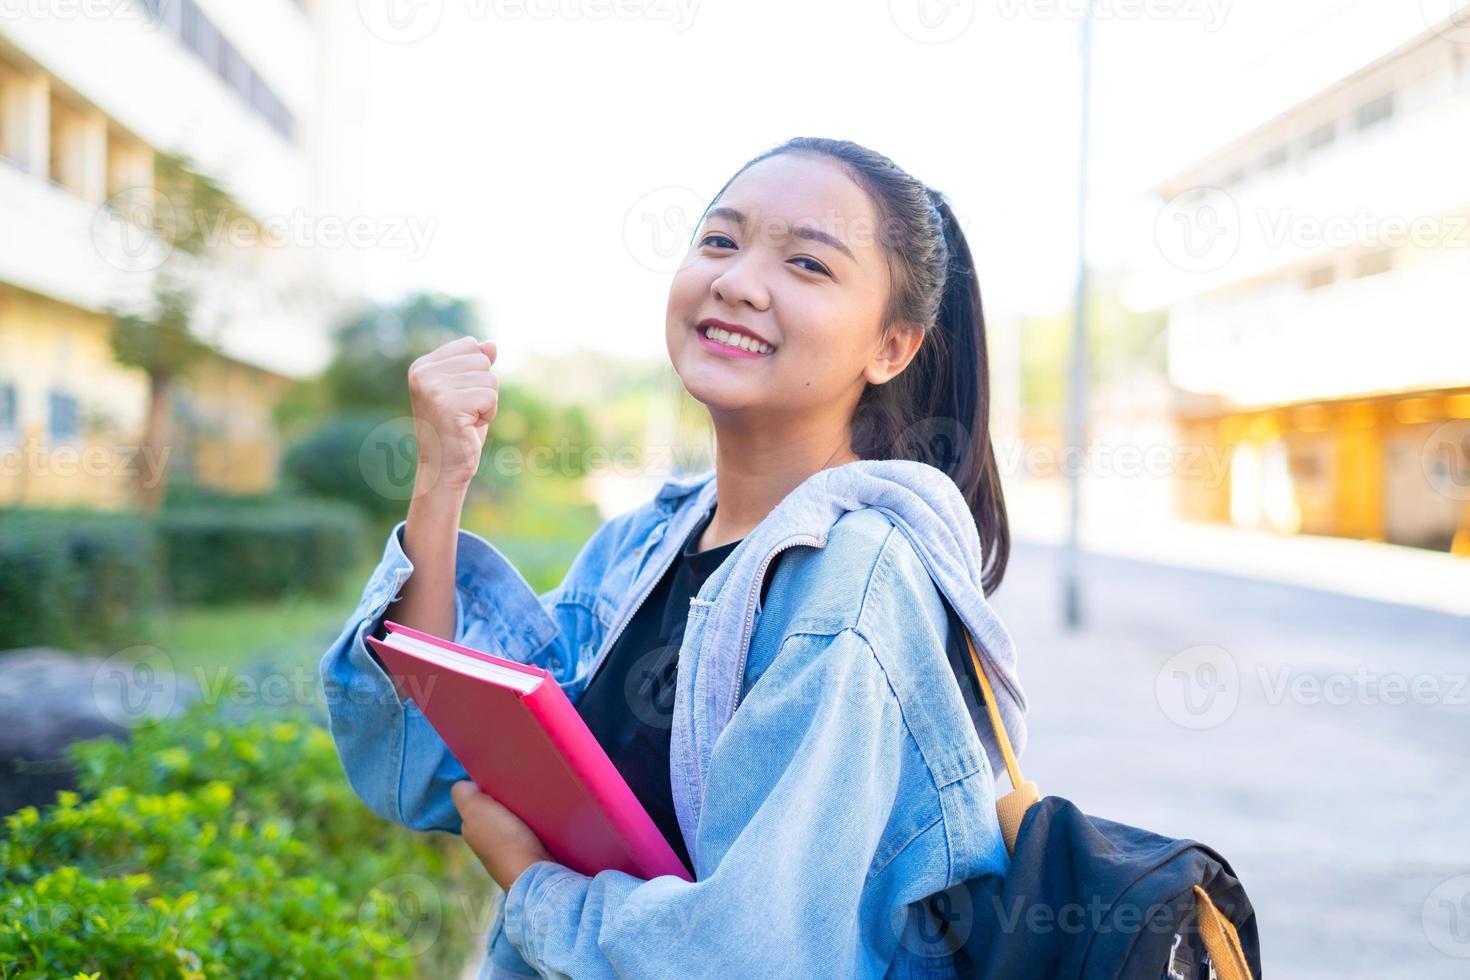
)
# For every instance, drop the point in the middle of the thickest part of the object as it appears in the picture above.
(211, 847)
(224, 553)
(360, 458)
(83, 579)
(74, 578)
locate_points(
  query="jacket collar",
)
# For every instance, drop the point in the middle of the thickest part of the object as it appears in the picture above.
(923, 503)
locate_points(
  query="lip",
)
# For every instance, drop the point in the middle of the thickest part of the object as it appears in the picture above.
(733, 328)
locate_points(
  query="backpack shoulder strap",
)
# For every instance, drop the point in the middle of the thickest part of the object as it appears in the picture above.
(1222, 942)
(1012, 807)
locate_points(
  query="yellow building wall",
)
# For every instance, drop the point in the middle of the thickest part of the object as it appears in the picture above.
(1355, 467)
(49, 346)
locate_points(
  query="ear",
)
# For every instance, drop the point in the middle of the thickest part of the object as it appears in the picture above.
(894, 353)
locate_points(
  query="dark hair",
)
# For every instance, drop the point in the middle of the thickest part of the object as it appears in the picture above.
(937, 410)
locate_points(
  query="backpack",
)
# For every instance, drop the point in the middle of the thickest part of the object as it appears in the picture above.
(1092, 899)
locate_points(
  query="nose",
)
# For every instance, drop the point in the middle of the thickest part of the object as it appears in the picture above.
(741, 282)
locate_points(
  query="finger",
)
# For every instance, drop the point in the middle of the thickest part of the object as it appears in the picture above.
(463, 793)
(481, 401)
(472, 379)
(473, 362)
(488, 346)
(461, 345)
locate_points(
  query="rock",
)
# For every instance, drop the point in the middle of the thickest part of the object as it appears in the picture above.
(50, 698)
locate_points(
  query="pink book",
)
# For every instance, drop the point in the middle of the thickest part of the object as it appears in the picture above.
(521, 740)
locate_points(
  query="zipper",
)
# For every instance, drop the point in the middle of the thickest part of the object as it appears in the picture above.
(607, 644)
(755, 592)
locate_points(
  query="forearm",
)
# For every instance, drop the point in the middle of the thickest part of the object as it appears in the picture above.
(430, 541)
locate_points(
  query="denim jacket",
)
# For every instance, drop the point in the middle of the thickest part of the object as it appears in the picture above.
(825, 771)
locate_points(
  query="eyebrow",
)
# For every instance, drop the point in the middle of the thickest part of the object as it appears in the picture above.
(812, 234)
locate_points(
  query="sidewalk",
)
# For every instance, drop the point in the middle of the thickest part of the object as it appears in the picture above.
(1366, 569)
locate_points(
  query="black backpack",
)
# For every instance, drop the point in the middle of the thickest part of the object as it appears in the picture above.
(1092, 899)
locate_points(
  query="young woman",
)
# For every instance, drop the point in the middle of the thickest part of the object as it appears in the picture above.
(772, 652)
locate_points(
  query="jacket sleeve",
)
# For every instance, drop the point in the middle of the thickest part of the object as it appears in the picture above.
(793, 839)
(393, 758)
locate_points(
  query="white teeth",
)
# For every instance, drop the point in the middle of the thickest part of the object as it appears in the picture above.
(738, 340)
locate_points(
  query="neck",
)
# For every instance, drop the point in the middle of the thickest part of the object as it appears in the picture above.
(755, 469)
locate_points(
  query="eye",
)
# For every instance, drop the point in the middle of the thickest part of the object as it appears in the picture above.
(714, 234)
(819, 268)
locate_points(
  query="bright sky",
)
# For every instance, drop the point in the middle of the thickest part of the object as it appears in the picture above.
(544, 143)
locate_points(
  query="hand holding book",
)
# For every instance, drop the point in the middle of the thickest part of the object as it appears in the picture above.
(518, 737)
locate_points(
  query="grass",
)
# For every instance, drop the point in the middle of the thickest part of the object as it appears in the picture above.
(540, 529)
(291, 632)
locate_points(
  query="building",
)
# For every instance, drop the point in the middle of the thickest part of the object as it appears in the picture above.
(91, 96)
(1318, 330)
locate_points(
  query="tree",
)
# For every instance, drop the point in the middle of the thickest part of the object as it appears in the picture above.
(158, 336)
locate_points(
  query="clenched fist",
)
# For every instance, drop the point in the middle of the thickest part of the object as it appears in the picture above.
(454, 393)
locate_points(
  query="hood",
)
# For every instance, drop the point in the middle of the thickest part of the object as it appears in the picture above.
(925, 505)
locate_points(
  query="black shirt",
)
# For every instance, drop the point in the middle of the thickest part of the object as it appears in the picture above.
(629, 702)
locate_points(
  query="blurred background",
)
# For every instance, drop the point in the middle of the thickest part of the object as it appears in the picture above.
(227, 229)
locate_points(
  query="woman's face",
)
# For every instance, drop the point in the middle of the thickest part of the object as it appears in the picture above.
(791, 254)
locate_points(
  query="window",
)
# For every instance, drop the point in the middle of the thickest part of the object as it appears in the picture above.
(1275, 158)
(9, 409)
(1321, 137)
(1380, 110)
(1373, 263)
(199, 34)
(65, 419)
(1323, 275)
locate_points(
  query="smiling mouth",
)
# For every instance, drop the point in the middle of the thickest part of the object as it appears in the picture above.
(735, 344)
